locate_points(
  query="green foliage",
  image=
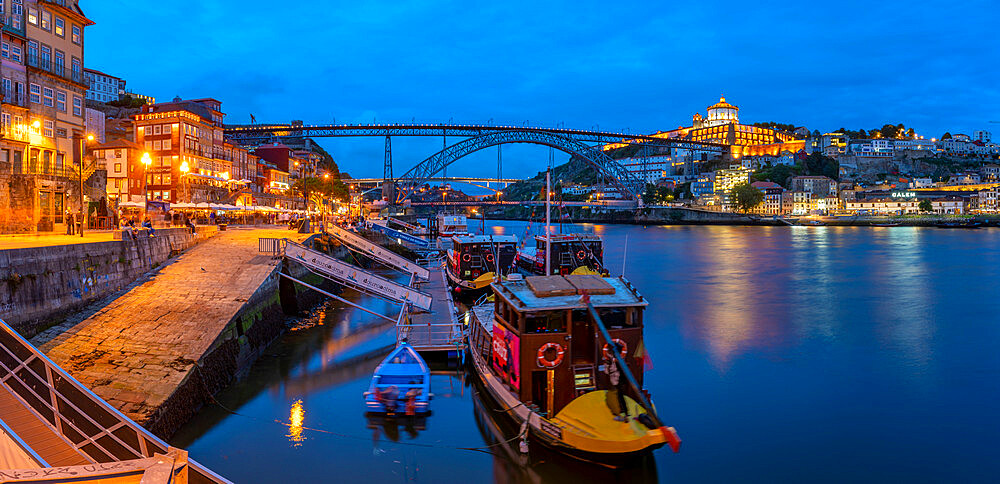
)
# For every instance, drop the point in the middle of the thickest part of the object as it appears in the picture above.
(745, 197)
(319, 190)
(654, 195)
(946, 135)
(813, 165)
(925, 205)
(127, 102)
(779, 174)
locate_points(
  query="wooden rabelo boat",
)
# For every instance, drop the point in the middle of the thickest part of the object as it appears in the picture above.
(474, 261)
(568, 254)
(545, 350)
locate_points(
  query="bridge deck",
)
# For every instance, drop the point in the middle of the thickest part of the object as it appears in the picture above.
(438, 329)
(32, 430)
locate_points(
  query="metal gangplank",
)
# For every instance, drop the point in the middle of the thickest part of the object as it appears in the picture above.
(378, 252)
(355, 277)
(58, 424)
(427, 330)
(414, 229)
(399, 237)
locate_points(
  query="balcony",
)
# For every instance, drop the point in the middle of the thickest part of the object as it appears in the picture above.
(13, 25)
(58, 71)
(15, 98)
(14, 132)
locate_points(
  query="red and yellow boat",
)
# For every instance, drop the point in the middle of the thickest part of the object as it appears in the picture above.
(563, 357)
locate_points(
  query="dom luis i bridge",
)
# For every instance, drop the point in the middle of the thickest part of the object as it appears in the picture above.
(588, 145)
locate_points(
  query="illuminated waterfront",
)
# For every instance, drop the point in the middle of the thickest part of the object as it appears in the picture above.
(779, 354)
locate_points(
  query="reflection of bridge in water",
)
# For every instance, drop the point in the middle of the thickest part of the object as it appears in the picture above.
(585, 144)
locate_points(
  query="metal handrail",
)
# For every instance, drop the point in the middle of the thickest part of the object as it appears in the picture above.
(58, 403)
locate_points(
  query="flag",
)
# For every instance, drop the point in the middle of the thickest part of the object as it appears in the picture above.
(640, 352)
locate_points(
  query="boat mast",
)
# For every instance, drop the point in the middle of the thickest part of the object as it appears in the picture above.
(548, 211)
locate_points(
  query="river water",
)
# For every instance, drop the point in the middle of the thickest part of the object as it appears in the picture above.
(780, 354)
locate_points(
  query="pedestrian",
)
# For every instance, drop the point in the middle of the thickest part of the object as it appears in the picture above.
(190, 224)
(69, 223)
(146, 224)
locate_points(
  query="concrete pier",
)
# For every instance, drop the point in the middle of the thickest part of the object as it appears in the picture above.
(179, 334)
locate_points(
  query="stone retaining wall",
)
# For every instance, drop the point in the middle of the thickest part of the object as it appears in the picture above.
(40, 285)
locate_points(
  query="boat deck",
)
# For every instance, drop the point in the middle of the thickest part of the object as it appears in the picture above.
(436, 330)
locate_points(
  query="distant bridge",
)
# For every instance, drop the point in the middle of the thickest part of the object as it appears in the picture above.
(586, 144)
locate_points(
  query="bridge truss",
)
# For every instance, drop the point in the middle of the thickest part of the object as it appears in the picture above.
(478, 137)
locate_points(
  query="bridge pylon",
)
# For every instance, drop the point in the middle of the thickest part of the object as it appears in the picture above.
(388, 184)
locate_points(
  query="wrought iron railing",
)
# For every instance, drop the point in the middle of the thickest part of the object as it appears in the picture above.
(94, 428)
(55, 69)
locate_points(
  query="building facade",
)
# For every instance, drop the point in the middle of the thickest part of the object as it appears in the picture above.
(103, 87)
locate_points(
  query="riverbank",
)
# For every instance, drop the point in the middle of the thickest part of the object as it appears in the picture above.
(180, 333)
(692, 216)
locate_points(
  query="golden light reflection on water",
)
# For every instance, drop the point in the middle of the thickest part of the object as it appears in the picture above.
(296, 417)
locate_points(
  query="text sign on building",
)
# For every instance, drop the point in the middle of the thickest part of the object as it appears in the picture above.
(355, 277)
(378, 252)
(904, 194)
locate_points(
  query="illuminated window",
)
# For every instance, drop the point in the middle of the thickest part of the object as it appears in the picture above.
(32, 15)
(60, 27)
(46, 20)
(77, 35)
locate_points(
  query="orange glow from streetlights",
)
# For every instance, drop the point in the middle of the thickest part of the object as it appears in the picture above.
(90, 137)
(184, 167)
(146, 160)
(36, 124)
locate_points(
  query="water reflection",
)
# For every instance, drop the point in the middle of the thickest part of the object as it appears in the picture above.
(295, 418)
(540, 464)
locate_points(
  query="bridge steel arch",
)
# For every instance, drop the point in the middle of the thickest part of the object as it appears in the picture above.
(627, 183)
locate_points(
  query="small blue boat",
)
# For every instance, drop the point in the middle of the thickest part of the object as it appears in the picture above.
(401, 384)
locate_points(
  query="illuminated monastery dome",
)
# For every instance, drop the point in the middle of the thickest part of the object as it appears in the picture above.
(722, 113)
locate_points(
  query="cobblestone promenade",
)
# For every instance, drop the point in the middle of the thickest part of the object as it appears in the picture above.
(137, 349)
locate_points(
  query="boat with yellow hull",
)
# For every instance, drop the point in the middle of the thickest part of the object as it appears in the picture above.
(538, 356)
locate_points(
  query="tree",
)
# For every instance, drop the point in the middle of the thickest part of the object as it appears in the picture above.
(745, 197)
(946, 135)
(925, 205)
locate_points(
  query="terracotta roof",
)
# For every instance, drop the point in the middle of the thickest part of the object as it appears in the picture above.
(117, 143)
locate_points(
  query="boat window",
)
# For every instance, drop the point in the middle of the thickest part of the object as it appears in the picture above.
(401, 380)
(615, 317)
(546, 322)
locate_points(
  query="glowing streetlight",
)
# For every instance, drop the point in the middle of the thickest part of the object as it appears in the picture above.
(90, 137)
(146, 161)
(36, 124)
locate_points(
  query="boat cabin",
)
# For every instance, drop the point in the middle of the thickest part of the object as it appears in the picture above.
(471, 256)
(570, 252)
(448, 225)
(545, 346)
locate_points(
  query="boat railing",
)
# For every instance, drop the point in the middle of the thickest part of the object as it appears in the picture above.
(96, 430)
(420, 335)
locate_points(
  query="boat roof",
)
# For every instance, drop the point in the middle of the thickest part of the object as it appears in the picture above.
(537, 293)
(568, 237)
(413, 362)
(484, 239)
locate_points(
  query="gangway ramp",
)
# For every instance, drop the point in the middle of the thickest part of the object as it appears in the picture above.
(400, 237)
(378, 252)
(356, 277)
(414, 229)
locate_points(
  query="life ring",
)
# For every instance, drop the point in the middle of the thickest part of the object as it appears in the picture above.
(581, 254)
(475, 273)
(619, 342)
(545, 362)
(466, 257)
(489, 257)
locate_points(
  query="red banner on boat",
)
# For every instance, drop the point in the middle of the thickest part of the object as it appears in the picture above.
(506, 355)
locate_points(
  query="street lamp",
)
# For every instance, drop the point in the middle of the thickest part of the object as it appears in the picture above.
(184, 168)
(146, 161)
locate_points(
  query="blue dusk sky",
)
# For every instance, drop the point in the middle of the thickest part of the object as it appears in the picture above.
(636, 66)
